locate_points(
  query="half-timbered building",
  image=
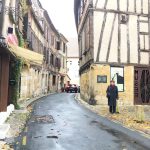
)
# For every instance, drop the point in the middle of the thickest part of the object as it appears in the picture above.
(114, 43)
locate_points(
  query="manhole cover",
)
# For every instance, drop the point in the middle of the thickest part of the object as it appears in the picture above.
(43, 119)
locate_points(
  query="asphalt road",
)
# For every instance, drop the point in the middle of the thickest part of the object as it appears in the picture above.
(58, 122)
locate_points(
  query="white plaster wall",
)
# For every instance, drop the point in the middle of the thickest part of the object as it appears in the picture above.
(132, 24)
(73, 70)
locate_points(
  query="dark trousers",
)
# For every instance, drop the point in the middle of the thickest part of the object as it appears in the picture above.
(112, 109)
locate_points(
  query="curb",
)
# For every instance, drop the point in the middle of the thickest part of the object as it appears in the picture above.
(29, 102)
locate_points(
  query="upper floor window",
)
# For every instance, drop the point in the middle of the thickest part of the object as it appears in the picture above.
(52, 59)
(52, 40)
(64, 47)
(58, 45)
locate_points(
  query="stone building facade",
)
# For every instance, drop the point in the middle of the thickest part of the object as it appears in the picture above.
(114, 42)
(32, 54)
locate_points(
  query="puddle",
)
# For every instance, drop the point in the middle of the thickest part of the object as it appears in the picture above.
(43, 119)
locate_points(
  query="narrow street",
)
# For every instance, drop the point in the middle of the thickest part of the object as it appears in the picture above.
(58, 122)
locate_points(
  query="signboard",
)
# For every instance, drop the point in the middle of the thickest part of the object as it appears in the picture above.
(101, 79)
(141, 86)
(117, 74)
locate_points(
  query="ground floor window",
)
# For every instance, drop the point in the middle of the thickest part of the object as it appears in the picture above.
(54, 80)
(117, 74)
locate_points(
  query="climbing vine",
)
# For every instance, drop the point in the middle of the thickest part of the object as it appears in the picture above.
(11, 17)
(20, 38)
(15, 79)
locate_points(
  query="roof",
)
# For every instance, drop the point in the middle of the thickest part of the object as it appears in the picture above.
(76, 5)
(64, 38)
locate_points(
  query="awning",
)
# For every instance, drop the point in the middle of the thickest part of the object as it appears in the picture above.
(26, 55)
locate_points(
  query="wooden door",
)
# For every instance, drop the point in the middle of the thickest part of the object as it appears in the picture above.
(4, 81)
(142, 86)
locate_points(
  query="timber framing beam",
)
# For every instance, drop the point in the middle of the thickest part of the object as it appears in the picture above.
(102, 32)
(119, 12)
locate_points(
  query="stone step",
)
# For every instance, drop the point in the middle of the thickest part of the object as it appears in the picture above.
(4, 130)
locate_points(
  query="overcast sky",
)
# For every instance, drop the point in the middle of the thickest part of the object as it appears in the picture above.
(62, 15)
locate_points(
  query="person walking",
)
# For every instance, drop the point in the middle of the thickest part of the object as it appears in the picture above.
(112, 95)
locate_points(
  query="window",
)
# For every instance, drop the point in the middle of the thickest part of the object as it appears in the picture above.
(144, 34)
(58, 63)
(64, 47)
(52, 59)
(87, 34)
(58, 45)
(54, 80)
(52, 40)
(63, 62)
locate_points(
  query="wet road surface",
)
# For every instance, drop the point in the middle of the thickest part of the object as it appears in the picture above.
(58, 122)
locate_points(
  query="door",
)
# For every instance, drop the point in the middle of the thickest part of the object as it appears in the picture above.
(142, 86)
(4, 81)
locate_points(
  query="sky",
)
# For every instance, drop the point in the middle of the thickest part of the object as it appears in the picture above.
(62, 15)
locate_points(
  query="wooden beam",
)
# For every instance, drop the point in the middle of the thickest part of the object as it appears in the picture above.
(111, 35)
(119, 12)
(127, 5)
(145, 50)
(102, 32)
(128, 42)
(119, 31)
(149, 28)
(143, 21)
(142, 6)
(138, 30)
(96, 3)
(135, 6)
(143, 33)
(144, 41)
(120, 64)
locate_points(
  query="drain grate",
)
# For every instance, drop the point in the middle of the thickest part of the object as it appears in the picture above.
(43, 119)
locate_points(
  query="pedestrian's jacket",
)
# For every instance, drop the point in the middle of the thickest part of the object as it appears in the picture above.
(112, 95)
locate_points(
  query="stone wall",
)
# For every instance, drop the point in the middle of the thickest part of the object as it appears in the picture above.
(90, 86)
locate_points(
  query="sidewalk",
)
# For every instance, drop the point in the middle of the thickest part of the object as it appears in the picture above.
(17, 121)
(126, 116)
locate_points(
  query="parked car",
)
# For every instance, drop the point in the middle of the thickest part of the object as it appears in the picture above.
(71, 88)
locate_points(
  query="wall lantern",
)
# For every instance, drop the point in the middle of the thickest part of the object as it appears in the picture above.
(2, 39)
(1, 5)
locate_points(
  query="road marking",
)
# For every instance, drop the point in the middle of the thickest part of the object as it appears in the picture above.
(24, 140)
